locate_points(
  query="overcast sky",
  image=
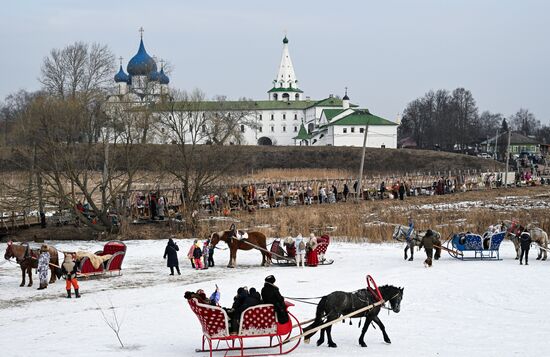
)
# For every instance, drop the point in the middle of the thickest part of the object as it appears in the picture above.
(386, 52)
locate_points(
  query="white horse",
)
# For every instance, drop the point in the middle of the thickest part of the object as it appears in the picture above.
(415, 238)
(538, 235)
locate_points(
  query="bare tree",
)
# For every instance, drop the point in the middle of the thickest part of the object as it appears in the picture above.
(525, 122)
(80, 68)
(187, 122)
(228, 120)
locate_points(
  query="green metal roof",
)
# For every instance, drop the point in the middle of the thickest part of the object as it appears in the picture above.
(293, 90)
(362, 117)
(302, 134)
(331, 113)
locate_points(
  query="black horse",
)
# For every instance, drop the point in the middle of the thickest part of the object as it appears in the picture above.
(340, 303)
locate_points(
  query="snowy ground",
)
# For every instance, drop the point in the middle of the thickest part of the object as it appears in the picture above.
(453, 309)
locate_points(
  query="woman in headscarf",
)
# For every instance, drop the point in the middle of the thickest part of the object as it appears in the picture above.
(171, 252)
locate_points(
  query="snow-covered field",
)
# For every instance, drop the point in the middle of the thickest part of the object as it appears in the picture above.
(489, 308)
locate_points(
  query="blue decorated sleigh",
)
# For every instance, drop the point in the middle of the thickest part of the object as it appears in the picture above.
(470, 246)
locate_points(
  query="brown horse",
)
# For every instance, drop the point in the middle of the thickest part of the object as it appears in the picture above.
(240, 240)
(28, 259)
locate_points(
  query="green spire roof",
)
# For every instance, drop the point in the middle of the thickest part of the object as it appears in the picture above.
(302, 134)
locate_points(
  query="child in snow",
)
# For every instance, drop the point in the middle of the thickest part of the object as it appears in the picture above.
(525, 244)
(43, 266)
(190, 253)
(210, 255)
(197, 255)
(68, 268)
(205, 253)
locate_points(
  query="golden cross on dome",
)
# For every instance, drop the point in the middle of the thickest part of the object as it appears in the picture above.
(141, 30)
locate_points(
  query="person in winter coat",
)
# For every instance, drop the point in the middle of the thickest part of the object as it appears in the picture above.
(171, 251)
(428, 242)
(311, 257)
(205, 253)
(401, 190)
(382, 190)
(190, 253)
(254, 297)
(300, 250)
(410, 239)
(525, 244)
(345, 192)
(43, 266)
(271, 295)
(197, 256)
(68, 268)
(160, 207)
(215, 297)
(210, 255)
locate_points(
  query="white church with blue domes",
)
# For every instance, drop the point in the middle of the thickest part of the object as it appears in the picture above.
(144, 81)
(285, 118)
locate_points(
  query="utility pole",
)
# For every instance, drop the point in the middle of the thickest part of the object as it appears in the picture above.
(359, 185)
(507, 158)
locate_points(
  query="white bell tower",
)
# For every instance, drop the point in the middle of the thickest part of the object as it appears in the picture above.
(285, 86)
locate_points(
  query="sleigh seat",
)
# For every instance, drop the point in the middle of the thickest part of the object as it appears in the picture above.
(255, 322)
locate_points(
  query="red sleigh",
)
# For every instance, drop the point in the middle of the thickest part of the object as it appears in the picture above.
(256, 322)
(113, 265)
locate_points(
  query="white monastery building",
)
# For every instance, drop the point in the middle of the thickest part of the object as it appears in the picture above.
(285, 118)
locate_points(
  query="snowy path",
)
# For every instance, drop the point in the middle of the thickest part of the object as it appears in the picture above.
(455, 308)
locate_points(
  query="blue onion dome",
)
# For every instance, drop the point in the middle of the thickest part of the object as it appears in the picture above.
(285, 40)
(141, 64)
(163, 77)
(154, 76)
(121, 76)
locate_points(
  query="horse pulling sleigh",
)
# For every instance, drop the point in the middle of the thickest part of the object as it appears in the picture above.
(27, 258)
(260, 321)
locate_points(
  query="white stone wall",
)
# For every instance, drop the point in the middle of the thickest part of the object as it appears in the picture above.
(378, 136)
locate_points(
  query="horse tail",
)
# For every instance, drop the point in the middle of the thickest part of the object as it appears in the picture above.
(320, 313)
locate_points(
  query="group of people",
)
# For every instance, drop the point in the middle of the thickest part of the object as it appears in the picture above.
(200, 255)
(305, 252)
(155, 204)
(246, 298)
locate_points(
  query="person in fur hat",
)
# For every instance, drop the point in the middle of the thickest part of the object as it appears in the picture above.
(43, 266)
(68, 268)
(271, 295)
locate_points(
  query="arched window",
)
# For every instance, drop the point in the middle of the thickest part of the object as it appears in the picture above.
(286, 96)
(242, 128)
